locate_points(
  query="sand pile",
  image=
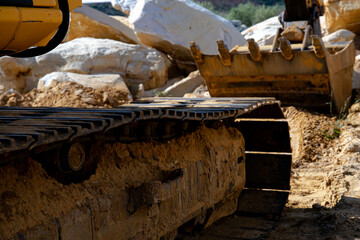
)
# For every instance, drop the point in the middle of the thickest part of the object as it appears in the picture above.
(66, 94)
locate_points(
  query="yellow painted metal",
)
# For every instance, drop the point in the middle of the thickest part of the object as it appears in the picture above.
(24, 27)
(297, 78)
(44, 3)
(340, 65)
(45, 40)
(9, 19)
(33, 25)
(74, 4)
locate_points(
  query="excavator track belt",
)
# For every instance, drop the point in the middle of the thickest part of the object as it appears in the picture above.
(32, 131)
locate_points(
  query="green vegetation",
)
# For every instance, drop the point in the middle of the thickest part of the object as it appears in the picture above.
(106, 8)
(250, 14)
(207, 5)
(340, 121)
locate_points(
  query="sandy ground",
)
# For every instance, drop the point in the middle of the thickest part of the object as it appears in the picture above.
(324, 201)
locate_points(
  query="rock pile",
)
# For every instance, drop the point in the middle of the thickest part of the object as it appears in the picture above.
(170, 26)
(143, 55)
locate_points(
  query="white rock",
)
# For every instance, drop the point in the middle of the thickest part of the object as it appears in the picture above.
(124, 6)
(199, 92)
(12, 74)
(89, 22)
(95, 81)
(264, 32)
(341, 35)
(186, 85)
(136, 64)
(170, 26)
(342, 14)
(156, 91)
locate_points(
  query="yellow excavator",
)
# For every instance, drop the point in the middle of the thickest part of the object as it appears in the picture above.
(254, 183)
(252, 186)
(33, 27)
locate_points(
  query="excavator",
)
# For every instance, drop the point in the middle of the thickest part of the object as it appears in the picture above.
(247, 196)
(298, 68)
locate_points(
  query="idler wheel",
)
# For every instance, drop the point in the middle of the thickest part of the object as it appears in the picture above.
(76, 157)
(70, 162)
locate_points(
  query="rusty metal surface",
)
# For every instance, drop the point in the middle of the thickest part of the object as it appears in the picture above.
(288, 73)
(24, 129)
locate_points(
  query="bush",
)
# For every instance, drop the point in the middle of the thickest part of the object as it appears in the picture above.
(250, 14)
(243, 12)
(264, 12)
(207, 5)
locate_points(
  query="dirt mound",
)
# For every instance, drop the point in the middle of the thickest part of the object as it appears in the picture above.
(310, 134)
(66, 94)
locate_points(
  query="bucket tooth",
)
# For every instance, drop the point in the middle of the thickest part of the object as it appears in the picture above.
(196, 53)
(276, 40)
(306, 41)
(254, 50)
(318, 46)
(224, 53)
(285, 48)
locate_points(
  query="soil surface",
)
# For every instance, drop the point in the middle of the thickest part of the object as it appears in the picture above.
(324, 201)
(66, 94)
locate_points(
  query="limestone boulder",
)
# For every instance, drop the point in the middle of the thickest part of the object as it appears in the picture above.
(95, 81)
(186, 85)
(124, 6)
(170, 26)
(199, 92)
(136, 64)
(159, 91)
(89, 22)
(341, 35)
(342, 14)
(13, 74)
(293, 34)
(264, 32)
(238, 25)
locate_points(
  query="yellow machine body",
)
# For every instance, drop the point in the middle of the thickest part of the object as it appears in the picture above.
(27, 23)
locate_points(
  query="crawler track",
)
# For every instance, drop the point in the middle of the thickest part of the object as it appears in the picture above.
(39, 131)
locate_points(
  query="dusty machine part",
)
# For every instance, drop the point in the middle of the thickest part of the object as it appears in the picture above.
(20, 19)
(307, 73)
(65, 141)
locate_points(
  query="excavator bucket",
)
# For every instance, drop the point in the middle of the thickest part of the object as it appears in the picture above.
(297, 69)
(311, 77)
